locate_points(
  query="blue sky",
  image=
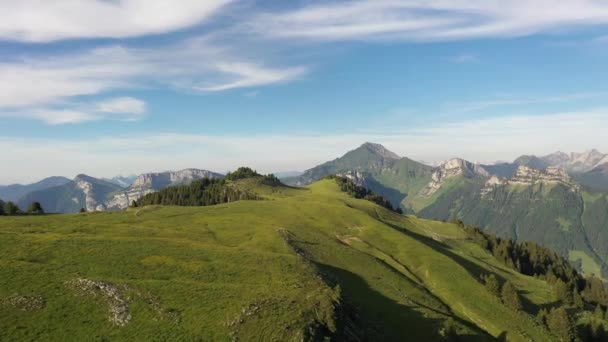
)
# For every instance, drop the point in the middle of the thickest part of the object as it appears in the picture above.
(121, 87)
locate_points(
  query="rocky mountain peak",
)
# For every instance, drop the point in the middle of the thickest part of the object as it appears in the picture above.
(456, 166)
(380, 150)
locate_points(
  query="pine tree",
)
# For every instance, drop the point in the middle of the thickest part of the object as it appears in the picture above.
(541, 317)
(2, 204)
(561, 325)
(510, 297)
(491, 284)
(562, 292)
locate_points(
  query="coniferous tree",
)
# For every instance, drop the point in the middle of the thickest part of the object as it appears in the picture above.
(491, 284)
(596, 332)
(562, 292)
(2, 204)
(35, 208)
(560, 324)
(510, 297)
(11, 208)
(541, 316)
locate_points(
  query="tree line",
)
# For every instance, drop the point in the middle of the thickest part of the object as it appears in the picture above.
(207, 191)
(574, 292)
(11, 209)
(357, 191)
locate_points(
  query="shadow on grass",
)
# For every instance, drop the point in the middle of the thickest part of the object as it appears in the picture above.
(393, 195)
(367, 315)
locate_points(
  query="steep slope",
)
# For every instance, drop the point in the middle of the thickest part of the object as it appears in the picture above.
(14, 192)
(151, 182)
(596, 178)
(307, 264)
(365, 158)
(453, 176)
(546, 207)
(122, 181)
(543, 204)
(376, 168)
(532, 162)
(82, 192)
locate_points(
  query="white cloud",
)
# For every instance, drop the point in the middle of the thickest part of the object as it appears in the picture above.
(122, 105)
(483, 140)
(249, 75)
(120, 109)
(50, 82)
(43, 21)
(423, 20)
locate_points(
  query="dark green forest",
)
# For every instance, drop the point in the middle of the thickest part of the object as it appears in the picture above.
(206, 191)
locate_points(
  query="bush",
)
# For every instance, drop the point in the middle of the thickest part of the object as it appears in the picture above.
(11, 208)
(510, 297)
(35, 208)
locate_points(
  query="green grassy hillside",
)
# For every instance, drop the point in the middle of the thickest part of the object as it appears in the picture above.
(554, 216)
(302, 264)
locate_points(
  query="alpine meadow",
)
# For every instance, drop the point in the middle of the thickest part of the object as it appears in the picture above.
(320, 170)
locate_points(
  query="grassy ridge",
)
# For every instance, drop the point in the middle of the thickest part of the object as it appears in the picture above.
(303, 263)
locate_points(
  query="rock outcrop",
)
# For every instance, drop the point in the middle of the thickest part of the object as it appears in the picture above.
(452, 168)
(528, 176)
(356, 177)
(151, 182)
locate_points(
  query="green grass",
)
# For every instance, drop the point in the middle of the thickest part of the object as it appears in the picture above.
(304, 260)
(417, 202)
(588, 263)
(564, 224)
(590, 197)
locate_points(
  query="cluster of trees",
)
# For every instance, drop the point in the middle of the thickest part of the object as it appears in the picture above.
(10, 208)
(246, 172)
(206, 191)
(507, 292)
(531, 259)
(574, 292)
(360, 192)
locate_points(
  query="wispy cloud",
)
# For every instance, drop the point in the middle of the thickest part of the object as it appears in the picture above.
(52, 81)
(249, 75)
(424, 20)
(118, 109)
(483, 140)
(121, 105)
(511, 101)
(44, 21)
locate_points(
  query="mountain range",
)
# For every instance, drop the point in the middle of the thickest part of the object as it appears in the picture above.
(280, 263)
(559, 201)
(94, 194)
(14, 192)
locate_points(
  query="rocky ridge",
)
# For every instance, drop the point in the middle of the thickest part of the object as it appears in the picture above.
(527, 176)
(449, 169)
(151, 182)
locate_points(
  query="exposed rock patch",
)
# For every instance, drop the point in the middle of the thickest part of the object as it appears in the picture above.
(24, 303)
(452, 168)
(113, 294)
